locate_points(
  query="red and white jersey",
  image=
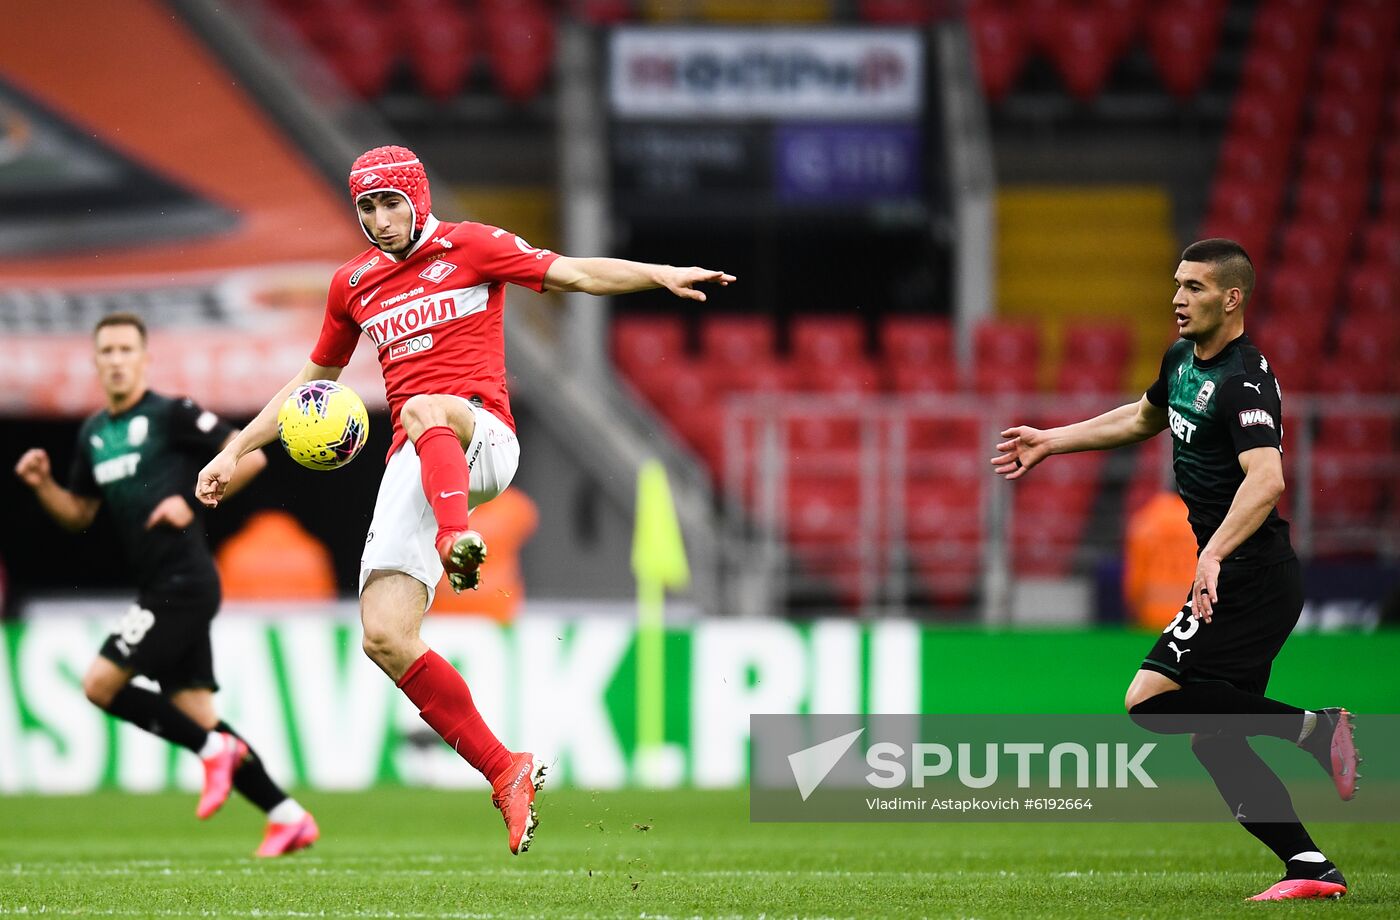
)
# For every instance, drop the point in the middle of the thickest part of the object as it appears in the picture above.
(436, 316)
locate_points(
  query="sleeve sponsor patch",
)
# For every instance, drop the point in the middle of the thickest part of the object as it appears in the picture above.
(1250, 417)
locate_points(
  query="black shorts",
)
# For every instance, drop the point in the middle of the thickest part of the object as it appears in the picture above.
(1258, 608)
(165, 637)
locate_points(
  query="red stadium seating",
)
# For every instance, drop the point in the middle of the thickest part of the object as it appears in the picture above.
(1124, 18)
(945, 508)
(440, 41)
(916, 340)
(942, 434)
(1006, 342)
(520, 46)
(1099, 343)
(1336, 203)
(1382, 244)
(1182, 47)
(1288, 27)
(1272, 72)
(827, 339)
(1266, 117)
(1001, 43)
(1315, 245)
(1346, 375)
(1082, 50)
(1390, 199)
(938, 377)
(1366, 28)
(1073, 379)
(1244, 160)
(1368, 339)
(1331, 159)
(992, 379)
(1246, 203)
(647, 341)
(853, 376)
(1355, 117)
(737, 340)
(1342, 70)
(604, 12)
(1373, 289)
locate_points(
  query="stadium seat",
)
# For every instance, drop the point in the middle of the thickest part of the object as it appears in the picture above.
(1344, 489)
(823, 509)
(1081, 51)
(737, 340)
(1246, 161)
(1291, 28)
(993, 379)
(1124, 18)
(826, 340)
(1366, 29)
(1040, 17)
(766, 375)
(1316, 245)
(916, 340)
(936, 377)
(1346, 375)
(859, 375)
(520, 46)
(645, 341)
(1342, 70)
(440, 41)
(1373, 289)
(1338, 204)
(1390, 199)
(1381, 244)
(1097, 343)
(942, 508)
(1273, 72)
(823, 443)
(1355, 117)
(1237, 202)
(943, 433)
(1182, 47)
(1332, 159)
(1001, 44)
(1006, 342)
(1369, 338)
(1265, 117)
(1075, 378)
(1348, 431)
(1390, 155)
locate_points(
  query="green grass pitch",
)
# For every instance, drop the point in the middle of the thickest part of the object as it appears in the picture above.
(400, 853)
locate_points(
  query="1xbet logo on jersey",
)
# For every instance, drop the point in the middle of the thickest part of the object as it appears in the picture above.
(437, 271)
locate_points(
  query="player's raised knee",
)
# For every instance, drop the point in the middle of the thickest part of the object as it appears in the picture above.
(421, 412)
(98, 691)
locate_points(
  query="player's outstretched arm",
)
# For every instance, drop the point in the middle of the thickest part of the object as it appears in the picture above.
(214, 480)
(619, 276)
(72, 511)
(1024, 446)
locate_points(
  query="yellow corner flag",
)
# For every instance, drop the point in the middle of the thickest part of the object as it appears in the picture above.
(658, 552)
(658, 563)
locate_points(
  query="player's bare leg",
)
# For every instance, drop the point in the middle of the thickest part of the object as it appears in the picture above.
(108, 686)
(290, 827)
(440, 428)
(391, 611)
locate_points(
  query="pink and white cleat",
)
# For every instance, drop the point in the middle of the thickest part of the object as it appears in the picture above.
(1333, 744)
(218, 774)
(1306, 881)
(281, 839)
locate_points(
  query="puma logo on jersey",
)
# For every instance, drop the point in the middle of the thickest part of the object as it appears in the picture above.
(1256, 387)
(1250, 417)
(1179, 651)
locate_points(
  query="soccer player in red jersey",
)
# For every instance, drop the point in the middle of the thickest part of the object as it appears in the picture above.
(430, 295)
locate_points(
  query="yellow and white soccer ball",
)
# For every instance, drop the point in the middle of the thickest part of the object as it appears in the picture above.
(323, 425)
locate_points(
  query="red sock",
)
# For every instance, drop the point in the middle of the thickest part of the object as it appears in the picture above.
(445, 703)
(446, 478)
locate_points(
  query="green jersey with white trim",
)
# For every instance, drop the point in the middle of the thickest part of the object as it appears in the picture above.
(1216, 410)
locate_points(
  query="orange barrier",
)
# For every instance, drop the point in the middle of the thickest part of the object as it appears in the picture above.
(506, 523)
(274, 558)
(1160, 561)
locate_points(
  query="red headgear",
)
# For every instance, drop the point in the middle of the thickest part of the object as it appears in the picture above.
(392, 169)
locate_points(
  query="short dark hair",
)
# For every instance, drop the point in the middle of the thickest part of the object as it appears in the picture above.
(1229, 263)
(121, 319)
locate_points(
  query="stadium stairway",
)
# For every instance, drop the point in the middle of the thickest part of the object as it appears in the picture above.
(1075, 254)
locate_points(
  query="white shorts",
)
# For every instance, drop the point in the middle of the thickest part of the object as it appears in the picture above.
(402, 533)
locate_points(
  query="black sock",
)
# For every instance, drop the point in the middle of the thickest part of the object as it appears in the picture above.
(157, 715)
(251, 779)
(1323, 871)
(1256, 796)
(1213, 706)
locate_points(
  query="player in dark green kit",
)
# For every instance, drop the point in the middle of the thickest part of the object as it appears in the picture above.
(137, 458)
(1207, 673)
